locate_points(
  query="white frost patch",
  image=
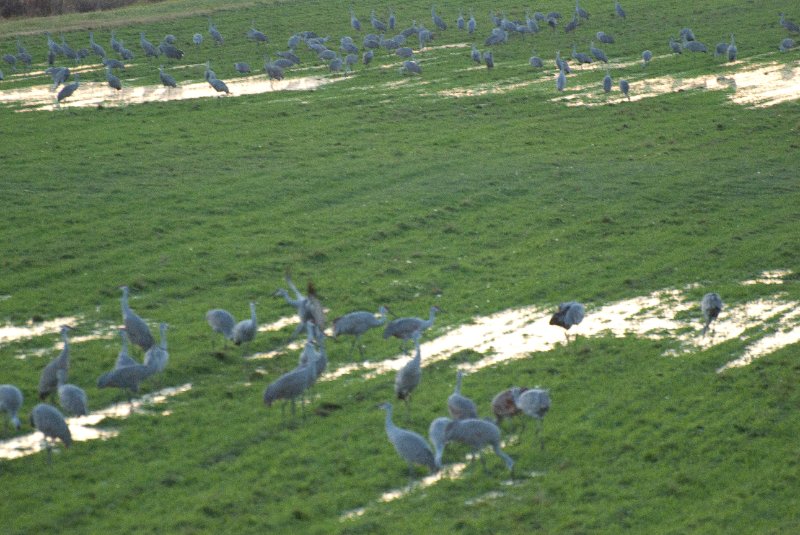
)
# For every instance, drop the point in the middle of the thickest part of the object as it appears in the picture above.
(789, 334)
(15, 333)
(81, 426)
(769, 277)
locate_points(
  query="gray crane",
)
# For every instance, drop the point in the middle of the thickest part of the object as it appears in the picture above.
(222, 322)
(582, 13)
(367, 56)
(274, 72)
(732, 50)
(471, 24)
(113, 63)
(335, 64)
(314, 350)
(167, 80)
(477, 434)
(50, 422)
(392, 20)
(48, 381)
(604, 37)
(126, 378)
(10, 403)
(675, 46)
(459, 406)
(208, 74)
(460, 23)
(411, 446)
(404, 52)
(69, 89)
(580, 57)
(488, 58)
(256, 35)
(571, 313)
(113, 81)
(72, 398)
(150, 50)
(619, 11)
(409, 328)
(562, 64)
(123, 357)
(437, 20)
(535, 403)
(535, 61)
(96, 48)
(116, 45)
(219, 85)
(561, 80)
(242, 67)
(597, 53)
(436, 434)
(212, 30)
(721, 49)
(693, 46)
(572, 25)
(197, 39)
(349, 61)
(137, 329)
(625, 87)
(476, 55)
(354, 22)
(646, 57)
(170, 50)
(170, 39)
(308, 307)
(357, 323)
(378, 24)
(711, 306)
(408, 377)
(503, 405)
(607, 82)
(786, 44)
(157, 356)
(67, 51)
(533, 26)
(291, 385)
(245, 330)
(788, 24)
(687, 34)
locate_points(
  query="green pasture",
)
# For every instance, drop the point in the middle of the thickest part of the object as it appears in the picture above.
(382, 189)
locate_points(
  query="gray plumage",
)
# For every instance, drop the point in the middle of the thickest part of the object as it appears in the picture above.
(646, 57)
(245, 330)
(357, 323)
(212, 29)
(157, 356)
(274, 72)
(411, 446)
(607, 82)
(580, 57)
(694, 46)
(477, 434)
(488, 58)
(786, 44)
(242, 67)
(378, 24)
(10, 403)
(582, 13)
(72, 398)
(503, 405)
(561, 64)
(291, 385)
(436, 434)
(48, 381)
(113, 63)
(788, 24)
(437, 20)
(597, 53)
(409, 328)
(150, 50)
(534, 403)
(404, 52)
(221, 321)
(354, 22)
(208, 74)
(619, 11)
(50, 422)
(561, 80)
(675, 46)
(68, 89)
(572, 25)
(625, 87)
(126, 378)
(458, 405)
(123, 357)
(721, 49)
(116, 45)
(571, 313)
(475, 54)
(219, 85)
(291, 56)
(536, 62)
(167, 81)
(732, 50)
(471, 24)
(367, 56)
(408, 377)
(603, 37)
(137, 329)
(314, 351)
(257, 36)
(308, 307)
(171, 39)
(711, 306)
(113, 81)
(197, 39)
(171, 51)
(460, 23)
(686, 34)
(96, 48)
(335, 64)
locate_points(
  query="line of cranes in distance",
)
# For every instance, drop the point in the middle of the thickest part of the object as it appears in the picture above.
(463, 424)
(347, 56)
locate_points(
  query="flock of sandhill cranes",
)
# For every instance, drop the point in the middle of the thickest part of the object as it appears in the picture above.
(463, 424)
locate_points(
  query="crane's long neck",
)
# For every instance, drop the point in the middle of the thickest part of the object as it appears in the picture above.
(458, 384)
(163, 329)
(124, 302)
(65, 351)
(431, 318)
(389, 424)
(124, 337)
(253, 313)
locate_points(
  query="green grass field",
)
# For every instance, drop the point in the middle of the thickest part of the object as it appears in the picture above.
(382, 189)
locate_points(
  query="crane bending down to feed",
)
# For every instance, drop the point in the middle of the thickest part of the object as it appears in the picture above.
(72, 398)
(48, 381)
(504, 406)
(567, 315)
(357, 323)
(711, 306)
(436, 433)
(460, 407)
(222, 322)
(409, 328)
(245, 330)
(10, 403)
(50, 422)
(535, 403)
(477, 434)
(292, 385)
(408, 377)
(411, 446)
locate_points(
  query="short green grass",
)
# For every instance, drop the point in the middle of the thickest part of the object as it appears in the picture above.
(401, 196)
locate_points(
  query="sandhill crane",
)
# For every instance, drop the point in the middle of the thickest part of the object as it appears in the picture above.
(411, 446)
(245, 330)
(561, 80)
(411, 67)
(219, 85)
(314, 350)
(48, 381)
(597, 53)
(675, 46)
(503, 405)
(354, 22)
(166, 79)
(535, 61)
(10, 403)
(157, 356)
(68, 89)
(256, 35)
(356, 324)
(475, 54)
(711, 306)
(291, 385)
(625, 87)
(96, 48)
(646, 57)
(603, 37)
(212, 29)
(409, 328)
(137, 329)
(569, 313)
(123, 358)
(786, 44)
(582, 13)
(308, 307)
(150, 50)
(607, 82)
(197, 39)
(126, 378)
(222, 322)
(534, 402)
(50, 422)
(408, 377)
(580, 57)
(460, 407)
(788, 24)
(72, 398)
(488, 58)
(113, 81)
(619, 11)
(477, 434)
(471, 24)
(436, 434)
(437, 20)
(732, 50)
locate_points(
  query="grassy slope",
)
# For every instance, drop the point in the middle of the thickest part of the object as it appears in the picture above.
(492, 201)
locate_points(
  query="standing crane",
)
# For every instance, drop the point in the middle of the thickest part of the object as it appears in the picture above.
(411, 446)
(409, 328)
(48, 381)
(711, 306)
(460, 407)
(10, 403)
(50, 422)
(535, 403)
(570, 313)
(137, 329)
(357, 323)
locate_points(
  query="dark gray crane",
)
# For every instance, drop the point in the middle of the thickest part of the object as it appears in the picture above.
(603, 37)
(354, 22)
(10, 403)
(732, 50)
(436, 434)
(408, 377)
(625, 87)
(619, 11)
(150, 50)
(409, 328)
(222, 322)
(96, 48)
(137, 329)
(245, 331)
(214, 32)
(113, 81)
(157, 357)
(570, 313)
(48, 380)
(168, 81)
(607, 82)
(503, 405)
(710, 306)
(69, 89)
(597, 53)
(50, 422)
(437, 20)
(292, 385)
(646, 57)
(788, 24)
(411, 446)
(123, 357)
